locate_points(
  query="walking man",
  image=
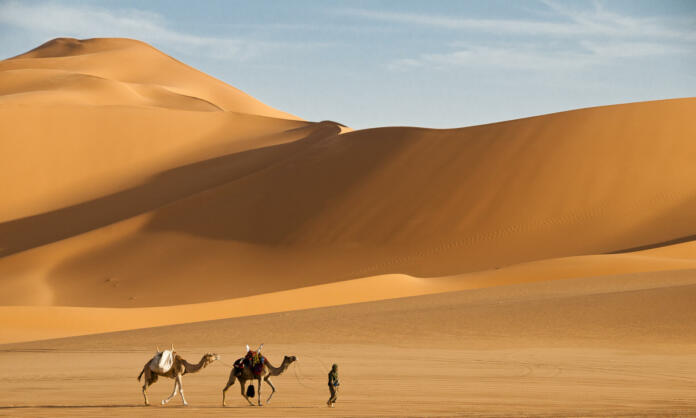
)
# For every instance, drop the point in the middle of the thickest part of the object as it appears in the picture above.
(333, 385)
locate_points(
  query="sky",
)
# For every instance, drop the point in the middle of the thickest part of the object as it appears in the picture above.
(438, 64)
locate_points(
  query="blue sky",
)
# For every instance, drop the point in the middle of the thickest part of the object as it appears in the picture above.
(420, 63)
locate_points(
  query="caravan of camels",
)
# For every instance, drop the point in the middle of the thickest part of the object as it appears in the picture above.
(253, 366)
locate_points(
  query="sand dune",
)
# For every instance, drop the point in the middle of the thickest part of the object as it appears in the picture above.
(106, 127)
(426, 203)
(154, 187)
(21, 323)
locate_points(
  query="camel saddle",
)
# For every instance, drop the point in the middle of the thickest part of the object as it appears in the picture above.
(162, 361)
(252, 360)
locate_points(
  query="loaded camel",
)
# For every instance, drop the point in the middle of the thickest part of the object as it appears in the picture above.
(179, 368)
(247, 373)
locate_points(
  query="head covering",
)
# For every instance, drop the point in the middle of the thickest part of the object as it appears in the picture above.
(334, 366)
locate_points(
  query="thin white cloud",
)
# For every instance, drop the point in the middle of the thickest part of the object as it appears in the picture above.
(568, 39)
(531, 57)
(630, 49)
(485, 25)
(567, 22)
(502, 57)
(600, 21)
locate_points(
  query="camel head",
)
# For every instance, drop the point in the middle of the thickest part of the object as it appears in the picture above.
(209, 358)
(289, 359)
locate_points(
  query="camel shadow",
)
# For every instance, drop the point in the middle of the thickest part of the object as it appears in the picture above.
(70, 406)
(115, 406)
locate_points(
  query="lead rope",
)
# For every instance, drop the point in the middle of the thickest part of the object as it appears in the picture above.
(299, 381)
(295, 369)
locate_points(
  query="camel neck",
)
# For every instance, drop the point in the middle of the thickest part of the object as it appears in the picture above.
(193, 368)
(277, 370)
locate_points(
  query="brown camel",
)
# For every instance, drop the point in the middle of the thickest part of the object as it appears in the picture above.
(179, 368)
(247, 374)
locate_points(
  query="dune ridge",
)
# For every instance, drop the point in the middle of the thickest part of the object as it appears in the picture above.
(20, 323)
(154, 188)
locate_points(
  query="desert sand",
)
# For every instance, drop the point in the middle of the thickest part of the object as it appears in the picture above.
(539, 266)
(608, 346)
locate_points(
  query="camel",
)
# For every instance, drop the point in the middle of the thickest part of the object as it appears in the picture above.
(247, 374)
(179, 368)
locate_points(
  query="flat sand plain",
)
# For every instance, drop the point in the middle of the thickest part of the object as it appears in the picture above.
(622, 345)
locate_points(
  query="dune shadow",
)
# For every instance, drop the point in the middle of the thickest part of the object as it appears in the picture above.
(272, 205)
(263, 205)
(166, 187)
(674, 241)
(675, 226)
(287, 186)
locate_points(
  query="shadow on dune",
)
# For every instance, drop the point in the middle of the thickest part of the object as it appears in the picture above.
(672, 226)
(271, 206)
(22, 234)
(252, 224)
(389, 200)
(656, 245)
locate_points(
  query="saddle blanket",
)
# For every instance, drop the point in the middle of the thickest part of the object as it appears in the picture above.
(162, 362)
(252, 360)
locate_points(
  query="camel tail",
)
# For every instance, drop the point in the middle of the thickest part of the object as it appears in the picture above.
(141, 374)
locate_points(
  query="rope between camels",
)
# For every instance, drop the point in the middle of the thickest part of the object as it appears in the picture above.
(222, 362)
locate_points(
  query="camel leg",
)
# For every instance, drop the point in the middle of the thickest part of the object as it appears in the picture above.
(147, 401)
(176, 388)
(150, 379)
(267, 379)
(242, 383)
(146, 384)
(259, 384)
(181, 389)
(230, 382)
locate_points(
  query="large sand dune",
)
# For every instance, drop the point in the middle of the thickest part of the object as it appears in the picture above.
(131, 180)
